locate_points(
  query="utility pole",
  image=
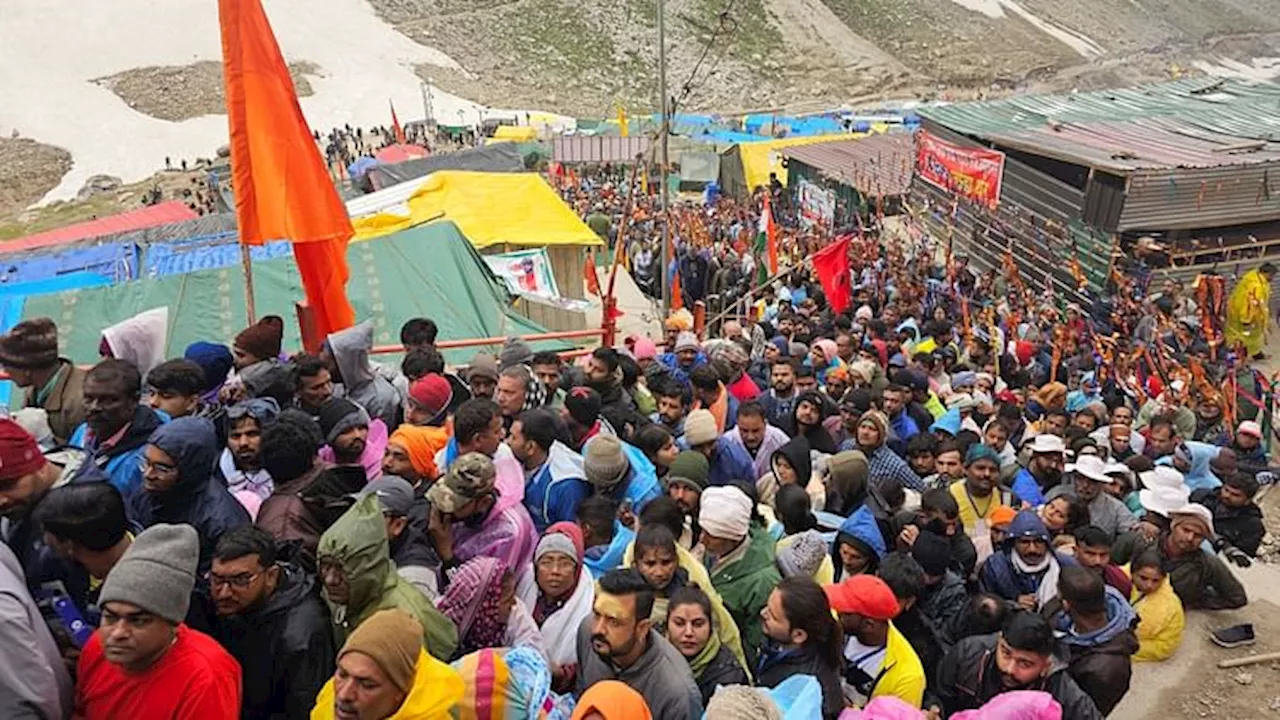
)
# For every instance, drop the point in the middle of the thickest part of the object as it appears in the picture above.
(428, 112)
(664, 165)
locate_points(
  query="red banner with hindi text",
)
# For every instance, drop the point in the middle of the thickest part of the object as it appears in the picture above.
(972, 172)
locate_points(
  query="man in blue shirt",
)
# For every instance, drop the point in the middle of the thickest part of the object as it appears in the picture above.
(729, 461)
(554, 480)
(904, 427)
(1043, 471)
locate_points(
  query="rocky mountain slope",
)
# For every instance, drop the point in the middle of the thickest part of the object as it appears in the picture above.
(581, 58)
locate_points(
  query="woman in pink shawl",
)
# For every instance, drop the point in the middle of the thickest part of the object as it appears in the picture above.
(481, 601)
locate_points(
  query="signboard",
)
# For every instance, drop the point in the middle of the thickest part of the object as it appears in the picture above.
(526, 272)
(817, 204)
(974, 173)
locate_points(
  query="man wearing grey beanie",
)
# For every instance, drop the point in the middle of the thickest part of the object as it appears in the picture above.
(143, 661)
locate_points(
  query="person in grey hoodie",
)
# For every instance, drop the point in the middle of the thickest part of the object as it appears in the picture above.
(34, 682)
(347, 354)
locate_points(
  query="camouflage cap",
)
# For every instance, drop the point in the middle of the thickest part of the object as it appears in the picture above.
(472, 476)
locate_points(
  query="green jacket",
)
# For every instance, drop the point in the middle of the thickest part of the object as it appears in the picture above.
(358, 542)
(744, 586)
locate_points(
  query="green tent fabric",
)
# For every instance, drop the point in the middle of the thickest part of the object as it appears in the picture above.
(430, 270)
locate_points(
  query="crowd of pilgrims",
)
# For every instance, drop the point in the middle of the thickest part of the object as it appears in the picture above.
(877, 513)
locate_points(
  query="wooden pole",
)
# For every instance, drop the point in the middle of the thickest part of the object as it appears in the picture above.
(249, 308)
(1251, 660)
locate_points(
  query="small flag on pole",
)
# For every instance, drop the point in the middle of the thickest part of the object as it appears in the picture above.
(395, 125)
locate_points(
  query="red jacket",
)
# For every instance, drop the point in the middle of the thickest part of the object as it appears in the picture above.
(195, 680)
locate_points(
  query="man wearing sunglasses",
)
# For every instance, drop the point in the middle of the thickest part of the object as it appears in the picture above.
(272, 621)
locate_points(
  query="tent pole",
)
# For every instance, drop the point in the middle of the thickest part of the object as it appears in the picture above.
(249, 308)
(665, 164)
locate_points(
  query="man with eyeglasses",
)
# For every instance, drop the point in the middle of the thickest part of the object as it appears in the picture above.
(272, 621)
(178, 484)
(143, 661)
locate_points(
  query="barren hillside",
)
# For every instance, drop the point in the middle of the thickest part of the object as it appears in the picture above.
(580, 58)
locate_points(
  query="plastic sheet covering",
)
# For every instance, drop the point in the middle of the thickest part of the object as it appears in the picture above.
(761, 158)
(13, 298)
(118, 261)
(532, 213)
(699, 167)
(505, 157)
(428, 271)
(514, 133)
(184, 257)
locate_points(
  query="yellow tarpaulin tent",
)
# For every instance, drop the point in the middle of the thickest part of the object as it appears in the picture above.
(514, 133)
(489, 208)
(761, 158)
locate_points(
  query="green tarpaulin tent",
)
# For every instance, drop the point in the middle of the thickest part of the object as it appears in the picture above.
(430, 270)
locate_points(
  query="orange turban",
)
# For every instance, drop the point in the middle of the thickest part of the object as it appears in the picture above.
(421, 443)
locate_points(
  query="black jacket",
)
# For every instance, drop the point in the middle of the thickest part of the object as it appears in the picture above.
(944, 604)
(968, 678)
(197, 498)
(776, 667)
(285, 649)
(25, 538)
(724, 669)
(1241, 527)
(796, 452)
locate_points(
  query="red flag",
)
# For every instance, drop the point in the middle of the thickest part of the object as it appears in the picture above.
(395, 125)
(282, 189)
(832, 265)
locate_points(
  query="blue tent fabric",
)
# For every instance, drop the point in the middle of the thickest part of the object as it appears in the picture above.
(118, 261)
(164, 259)
(13, 301)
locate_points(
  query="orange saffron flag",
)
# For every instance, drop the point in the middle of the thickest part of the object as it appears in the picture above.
(282, 189)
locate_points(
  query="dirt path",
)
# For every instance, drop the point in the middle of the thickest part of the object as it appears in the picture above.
(813, 31)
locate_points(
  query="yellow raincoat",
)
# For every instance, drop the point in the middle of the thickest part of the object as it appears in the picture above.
(436, 689)
(1248, 312)
(1160, 621)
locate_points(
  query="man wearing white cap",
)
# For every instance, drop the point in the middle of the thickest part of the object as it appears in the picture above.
(1089, 480)
(742, 560)
(1043, 471)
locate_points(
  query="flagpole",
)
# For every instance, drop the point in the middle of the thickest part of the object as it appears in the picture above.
(666, 207)
(249, 309)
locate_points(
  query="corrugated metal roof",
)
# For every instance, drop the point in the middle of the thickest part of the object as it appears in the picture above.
(1139, 144)
(875, 165)
(1182, 124)
(146, 217)
(1191, 99)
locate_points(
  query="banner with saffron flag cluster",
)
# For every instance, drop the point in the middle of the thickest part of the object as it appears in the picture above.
(831, 263)
(282, 188)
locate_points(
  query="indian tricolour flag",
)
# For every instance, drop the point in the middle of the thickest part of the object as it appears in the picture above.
(766, 249)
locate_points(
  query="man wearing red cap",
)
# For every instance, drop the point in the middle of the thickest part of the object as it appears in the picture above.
(878, 659)
(26, 477)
